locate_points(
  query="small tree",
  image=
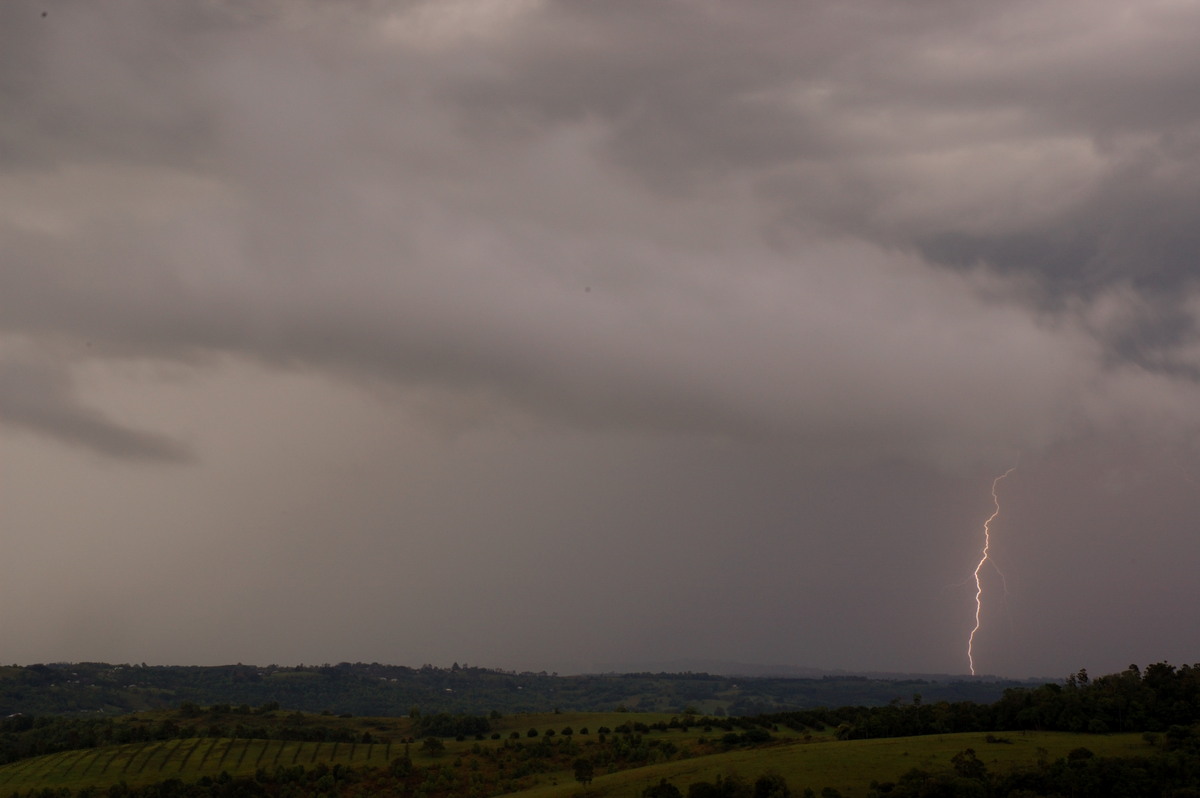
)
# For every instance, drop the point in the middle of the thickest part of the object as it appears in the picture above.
(771, 785)
(584, 771)
(433, 746)
(664, 789)
(402, 765)
(967, 765)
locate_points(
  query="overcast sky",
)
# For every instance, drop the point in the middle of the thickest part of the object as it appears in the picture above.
(568, 335)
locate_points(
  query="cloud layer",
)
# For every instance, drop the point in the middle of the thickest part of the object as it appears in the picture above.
(841, 236)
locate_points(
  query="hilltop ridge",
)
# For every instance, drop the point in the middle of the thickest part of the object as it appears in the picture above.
(377, 689)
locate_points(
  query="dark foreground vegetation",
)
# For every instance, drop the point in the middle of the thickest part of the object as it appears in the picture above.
(239, 750)
(1157, 700)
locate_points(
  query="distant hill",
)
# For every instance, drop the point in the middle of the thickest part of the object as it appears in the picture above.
(731, 668)
(375, 689)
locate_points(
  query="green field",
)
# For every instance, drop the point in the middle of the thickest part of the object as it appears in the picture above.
(193, 758)
(806, 760)
(852, 765)
(187, 760)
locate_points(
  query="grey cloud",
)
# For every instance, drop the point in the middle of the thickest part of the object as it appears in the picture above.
(41, 399)
(844, 108)
(146, 110)
(356, 205)
(664, 294)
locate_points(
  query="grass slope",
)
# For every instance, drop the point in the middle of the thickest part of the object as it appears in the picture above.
(814, 761)
(187, 760)
(192, 758)
(849, 766)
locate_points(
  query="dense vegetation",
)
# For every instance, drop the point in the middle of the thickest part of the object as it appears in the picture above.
(373, 689)
(1132, 733)
(1162, 697)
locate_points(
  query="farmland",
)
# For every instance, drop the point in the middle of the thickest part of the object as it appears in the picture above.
(1131, 733)
(541, 766)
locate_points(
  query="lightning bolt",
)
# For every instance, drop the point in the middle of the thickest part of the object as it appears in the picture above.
(987, 542)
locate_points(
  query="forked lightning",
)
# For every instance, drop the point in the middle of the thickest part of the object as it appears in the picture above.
(987, 542)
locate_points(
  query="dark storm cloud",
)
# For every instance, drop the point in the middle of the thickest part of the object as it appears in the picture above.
(40, 399)
(873, 98)
(312, 185)
(143, 110)
(484, 284)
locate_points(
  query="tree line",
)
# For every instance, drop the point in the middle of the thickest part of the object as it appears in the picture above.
(375, 689)
(1154, 700)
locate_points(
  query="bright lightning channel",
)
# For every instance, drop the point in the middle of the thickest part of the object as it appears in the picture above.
(987, 542)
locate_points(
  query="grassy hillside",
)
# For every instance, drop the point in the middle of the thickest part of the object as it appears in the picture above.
(185, 759)
(850, 766)
(190, 759)
(508, 764)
